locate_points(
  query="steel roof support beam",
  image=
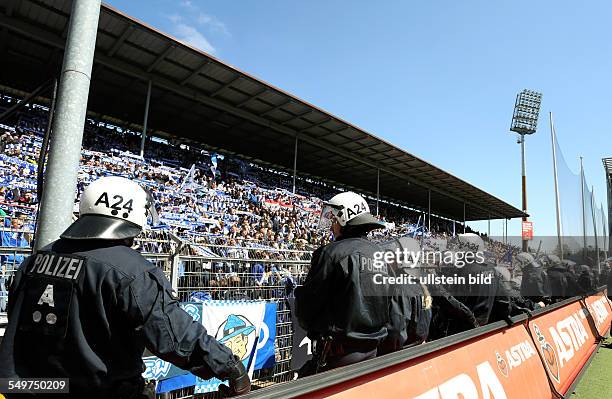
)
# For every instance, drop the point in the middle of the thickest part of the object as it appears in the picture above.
(296, 117)
(429, 210)
(347, 141)
(161, 58)
(277, 107)
(225, 86)
(315, 125)
(9, 13)
(377, 191)
(126, 33)
(295, 152)
(196, 72)
(252, 98)
(464, 217)
(146, 120)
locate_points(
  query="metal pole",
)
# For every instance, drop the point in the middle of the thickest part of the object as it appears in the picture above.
(295, 150)
(584, 240)
(524, 185)
(506, 231)
(42, 159)
(489, 226)
(604, 232)
(377, 191)
(428, 209)
(595, 226)
(609, 210)
(464, 217)
(146, 120)
(555, 177)
(68, 122)
(174, 274)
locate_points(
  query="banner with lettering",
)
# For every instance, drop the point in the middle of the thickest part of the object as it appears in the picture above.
(494, 366)
(565, 340)
(599, 307)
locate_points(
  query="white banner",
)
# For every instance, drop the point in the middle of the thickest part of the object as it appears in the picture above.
(236, 324)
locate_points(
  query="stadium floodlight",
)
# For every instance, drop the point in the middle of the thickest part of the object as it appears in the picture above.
(526, 112)
(525, 121)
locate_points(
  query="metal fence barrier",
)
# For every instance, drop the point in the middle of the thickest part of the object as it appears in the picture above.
(210, 239)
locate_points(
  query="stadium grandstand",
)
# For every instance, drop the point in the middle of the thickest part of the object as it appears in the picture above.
(198, 100)
(238, 168)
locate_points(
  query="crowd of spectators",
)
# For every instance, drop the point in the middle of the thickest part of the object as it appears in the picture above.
(200, 195)
(226, 207)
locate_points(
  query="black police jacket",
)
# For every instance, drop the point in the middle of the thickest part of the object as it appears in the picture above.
(534, 284)
(410, 317)
(86, 311)
(585, 281)
(557, 279)
(573, 289)
(339, 296)
(610, 285)
(450, 316)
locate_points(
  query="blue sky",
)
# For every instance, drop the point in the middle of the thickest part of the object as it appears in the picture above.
(437, 78)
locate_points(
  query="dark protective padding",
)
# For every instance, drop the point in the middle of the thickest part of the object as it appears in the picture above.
(199, 100)
(101, 227)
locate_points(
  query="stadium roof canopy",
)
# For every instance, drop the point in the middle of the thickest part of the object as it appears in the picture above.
(200, 99)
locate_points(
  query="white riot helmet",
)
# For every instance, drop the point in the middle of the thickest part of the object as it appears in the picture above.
(112, 208)
(349, 209)
(550, 260)
(473, 239)
(525, 258)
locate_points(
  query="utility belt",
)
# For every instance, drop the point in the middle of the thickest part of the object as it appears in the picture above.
(341, 347)
(327, 347)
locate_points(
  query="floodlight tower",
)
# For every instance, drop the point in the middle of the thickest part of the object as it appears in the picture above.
(525, 121)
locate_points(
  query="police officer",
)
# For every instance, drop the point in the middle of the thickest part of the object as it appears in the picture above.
(339, 305)
(486, 297)
(609, 283)
(603, 275)
(534, 282)
(449, 315)
(573, 288)
(518, 303)
(557, 277)
(585, 280)
(86, 306)
(411, 304)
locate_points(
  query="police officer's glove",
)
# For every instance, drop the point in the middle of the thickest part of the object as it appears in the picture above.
(239, 382)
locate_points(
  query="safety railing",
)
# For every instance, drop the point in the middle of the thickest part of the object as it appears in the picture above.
(208, 239)
(10, 259)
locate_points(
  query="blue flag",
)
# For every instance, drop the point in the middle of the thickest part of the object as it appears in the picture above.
(267, 335)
